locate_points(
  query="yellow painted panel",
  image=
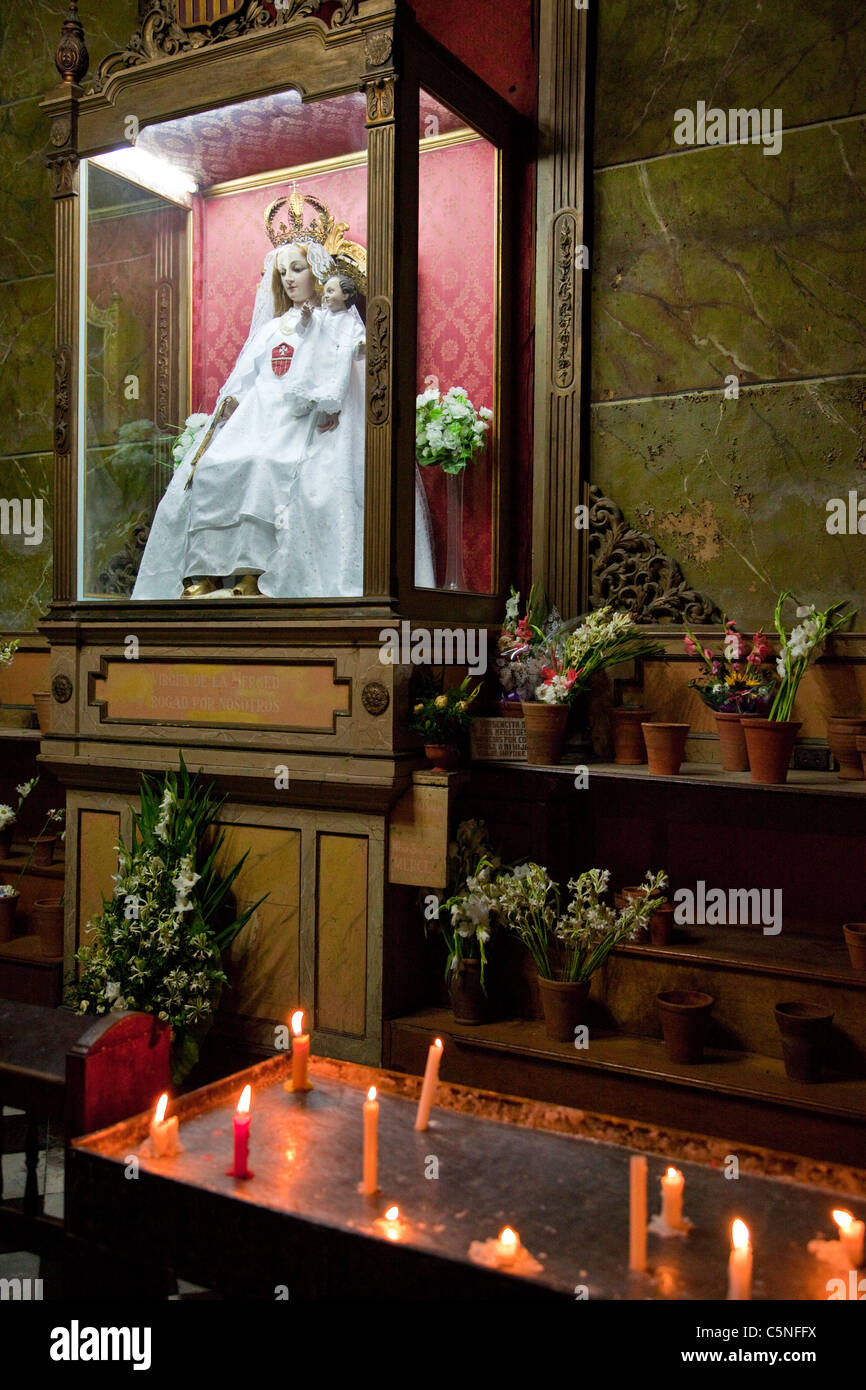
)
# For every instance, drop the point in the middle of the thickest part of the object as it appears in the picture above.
(28, 671)
(262, 964)
(222, 693)
(98, 833)
(341, 936)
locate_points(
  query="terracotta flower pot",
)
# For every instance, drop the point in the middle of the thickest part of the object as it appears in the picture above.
(444, 757)
(661, 925)
(842, 732)
(5, 842)
(46, 918)
(685, 1015)
(631, 894)
(805, 1029)
(665, 746)
(629, 748)
(545, 732)
(468, 1000)
(732, 741)
(855, 940)
(42, 701)
(43, 849)
(8, 908)
(564, 1005)
(511, 709)
(770, 743)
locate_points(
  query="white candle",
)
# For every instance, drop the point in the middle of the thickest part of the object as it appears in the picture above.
(851, 1233)
(508, 1246)
(300, 1054)
(740, 1264)
(369, 1183)
(431, 1076)
(672, 1199)
(163, 1132)
(637, 1212)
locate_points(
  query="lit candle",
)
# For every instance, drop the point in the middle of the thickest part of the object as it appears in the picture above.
(672, 1199)
(300, 1054)
(637, 1212)
(851, 1234)
(392, 1223)
(508, 1246)
(369, 1184)
(242, 1136)
(431, 1076)
(163, 1132)
(740, 1264)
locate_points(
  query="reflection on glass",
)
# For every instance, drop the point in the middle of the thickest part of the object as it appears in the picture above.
(457, 295)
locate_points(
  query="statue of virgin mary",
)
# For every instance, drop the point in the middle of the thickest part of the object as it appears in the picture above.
(269, 497)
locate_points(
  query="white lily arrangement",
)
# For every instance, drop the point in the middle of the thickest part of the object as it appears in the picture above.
(8, 816)
(158, 942)
(797, 650)
(194, 427)
(465, 916)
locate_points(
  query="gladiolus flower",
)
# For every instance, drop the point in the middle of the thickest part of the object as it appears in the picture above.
(690, 646)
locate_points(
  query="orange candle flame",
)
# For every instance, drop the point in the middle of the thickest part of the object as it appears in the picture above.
(298, 1023)
(740, 1235)
(437, 1042)
(674, 1173)
(843, 1219)
(244, 1102)
(371, 1094)
(508, 1238)
(161, 1107)
(392, 1214)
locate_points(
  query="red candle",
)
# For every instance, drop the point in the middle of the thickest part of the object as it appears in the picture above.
(242, 1136)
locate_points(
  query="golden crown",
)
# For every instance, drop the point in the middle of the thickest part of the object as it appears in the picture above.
(348, 256)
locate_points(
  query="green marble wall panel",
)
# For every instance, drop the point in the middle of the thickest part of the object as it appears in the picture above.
(809, 59)
(737, 490)
(29, 34)
(26, 365)
(26, 206)
(727, 260)
(25, 565)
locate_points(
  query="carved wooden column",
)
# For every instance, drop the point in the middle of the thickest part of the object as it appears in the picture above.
(382, 203)
(559, 470)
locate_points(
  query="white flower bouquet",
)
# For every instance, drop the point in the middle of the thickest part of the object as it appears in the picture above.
(584, 646)
(448, 429)
(798, 649)
(189, 435)
(465, 917)
(158, 941)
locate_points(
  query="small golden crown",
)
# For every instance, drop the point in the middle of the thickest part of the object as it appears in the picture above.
(349, 257)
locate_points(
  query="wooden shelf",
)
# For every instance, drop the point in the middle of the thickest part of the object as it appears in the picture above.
(695, 775)
(790, 955)
(33, 734)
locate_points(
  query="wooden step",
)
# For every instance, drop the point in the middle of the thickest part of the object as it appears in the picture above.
(740, 1096)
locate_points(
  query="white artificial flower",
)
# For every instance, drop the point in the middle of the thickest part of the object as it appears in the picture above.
(112, 989)
(7, 816)
(781, 667)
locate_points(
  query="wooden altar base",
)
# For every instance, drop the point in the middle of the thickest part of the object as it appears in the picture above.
(301, 1225)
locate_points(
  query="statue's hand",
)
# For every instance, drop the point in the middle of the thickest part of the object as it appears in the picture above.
(306, 311)
(328, 422)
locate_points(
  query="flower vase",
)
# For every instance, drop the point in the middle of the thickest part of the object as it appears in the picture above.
(444, 757)
(685, 1016)
(545, 732)
(564, 1004)
(454, 576)
(732, 742)
(842, 733)
(468, 1000)
(665, 746)
(46, 918)
(770, 743)
(629, 749)
(805, 1029)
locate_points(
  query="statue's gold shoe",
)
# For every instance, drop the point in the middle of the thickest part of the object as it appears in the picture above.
(247, 587)
(199, 588)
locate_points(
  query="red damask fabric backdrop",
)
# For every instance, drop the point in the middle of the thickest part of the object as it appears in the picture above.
(456, 297)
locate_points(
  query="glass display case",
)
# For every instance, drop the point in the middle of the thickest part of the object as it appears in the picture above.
(282, 331)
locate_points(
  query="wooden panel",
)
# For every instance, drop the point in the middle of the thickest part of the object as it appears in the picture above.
(341, 938)
(98, 833)
(28, 671)
(262, 964)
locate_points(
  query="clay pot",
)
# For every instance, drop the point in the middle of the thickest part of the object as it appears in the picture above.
(46, 918)
(661, 925)
(842, 733)
(545, 732)
(629, 749)
(444, 757)
(855, 940)
(770, 743)
(685, 1015)
(5, 842)
(468, 1000)
(8, 907)
(805, 1029)
(732, 741)
(665, 746)
(511, 709)
(43, 850)
(628, 895)
(564, 1005)
(42, 701)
